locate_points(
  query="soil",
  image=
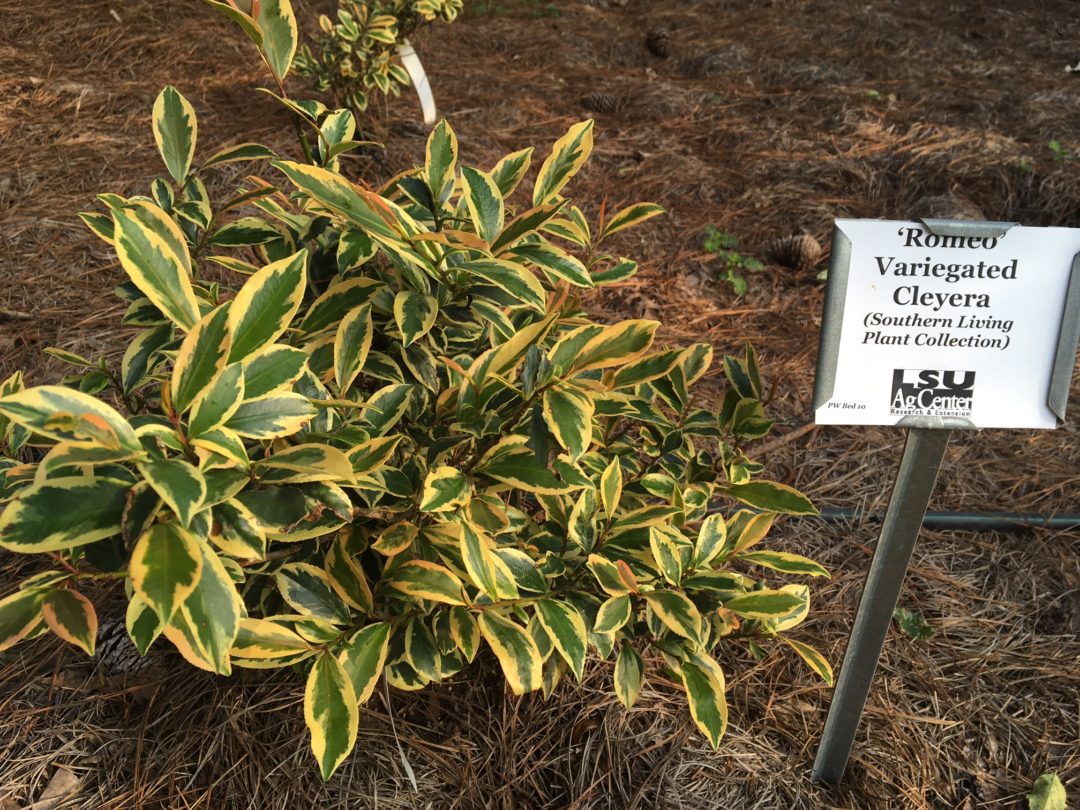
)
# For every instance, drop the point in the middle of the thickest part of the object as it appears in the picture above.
(769, 118)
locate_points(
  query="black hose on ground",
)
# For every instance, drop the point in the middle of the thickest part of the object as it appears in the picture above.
(969, 521)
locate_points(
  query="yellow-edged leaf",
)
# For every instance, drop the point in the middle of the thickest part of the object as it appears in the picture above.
(363, 656)
(175, 131)
(814, 659)
(72, 617)
(427, 580)
(351, 345)
(445, 489)
(677, 613)
(166, 564)
(517, 653)
(266, 304)
(330, 712)
(566, 627)
(154, 254)
(567, 156)
(62, 513)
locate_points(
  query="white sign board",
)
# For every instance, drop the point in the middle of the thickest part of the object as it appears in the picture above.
(963, 329)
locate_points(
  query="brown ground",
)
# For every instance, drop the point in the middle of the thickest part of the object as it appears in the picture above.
(769, 118)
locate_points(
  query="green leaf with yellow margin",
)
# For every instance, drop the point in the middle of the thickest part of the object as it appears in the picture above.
(340, 298)
(175, 131)
(517, 653)
(386, 406)
(797, 614)
(218, 402)
(20, 613)
(277, 23)
(271, 369)
(611, 484)
(485, 202)
(510, 171)
(414, 314)
(568, 412)
(179, 484)
(710, 540)
(205, 626)
(785, 562)
(395, 538)
(308, 590)
(511, 278)
(165, 567)
(302, 463)
(566, 627)
(615, 345)
(478, 556)
(67, 415)
(141, 353)
(265, 639)
(62, 513)
(445, 489)
(612, 615)
(370, 455)
(271, 416)
(677, 613)
(142, 623)
(421, 650)
(610, 578)
(465, 632)
(814, 659)
(704, 683)
(236, 531)
(346, 577)
(427, 580)
(666, 554)
(72, 617)
(335, 193)
(770, 496)
(154, 254)
(749, 529)
(440, 159)
(330, 712)
(266, 305)
(766, 604)
(363, 657)
(629, 674)
(567, 156)
(555, 262)
(630, 216)
(202, 355)
(244, 20)
(351, 346)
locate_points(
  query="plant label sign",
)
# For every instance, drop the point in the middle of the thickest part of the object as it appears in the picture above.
(948, 324)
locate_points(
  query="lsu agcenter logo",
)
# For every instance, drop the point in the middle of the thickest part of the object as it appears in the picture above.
(921, 392)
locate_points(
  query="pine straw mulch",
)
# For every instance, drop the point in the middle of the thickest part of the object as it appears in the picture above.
(769, 118)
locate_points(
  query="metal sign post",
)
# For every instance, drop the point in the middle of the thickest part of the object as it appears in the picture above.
(953, 325)
(910, 497)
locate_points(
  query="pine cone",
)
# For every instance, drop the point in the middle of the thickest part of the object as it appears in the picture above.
(116, 654)
(658, 41)
(800, 252)
(602, 102)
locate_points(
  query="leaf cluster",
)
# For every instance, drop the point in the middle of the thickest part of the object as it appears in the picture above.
(395, 438)
(732, 262)
(357, 53)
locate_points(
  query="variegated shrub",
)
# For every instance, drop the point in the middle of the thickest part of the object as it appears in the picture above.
(358, 53)
(395, 439)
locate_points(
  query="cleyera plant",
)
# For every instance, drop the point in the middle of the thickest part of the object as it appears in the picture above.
(358, 53)
(393, 436)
